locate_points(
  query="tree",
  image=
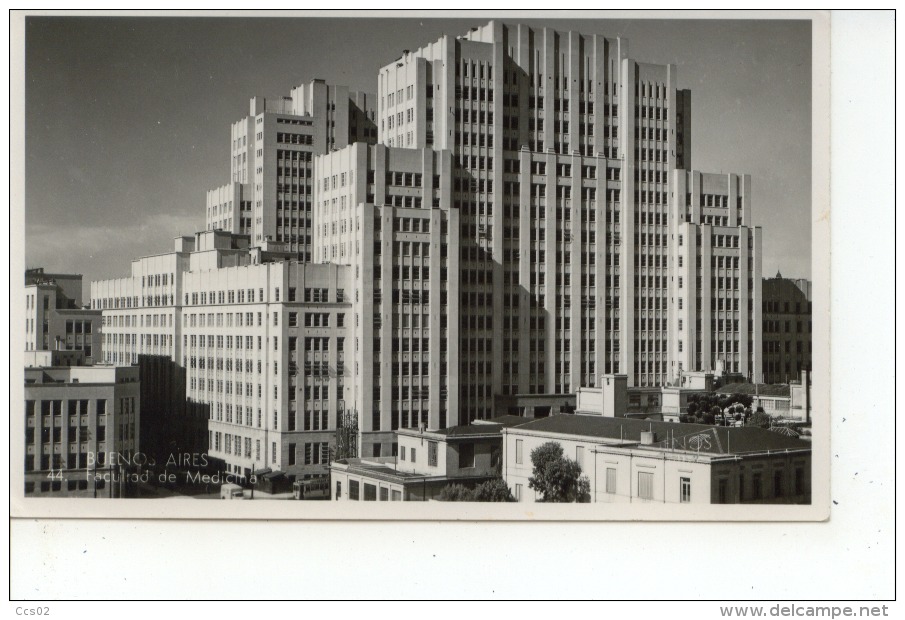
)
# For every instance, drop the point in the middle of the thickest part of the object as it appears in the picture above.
(760, 419)
(557, 478)
(347, 437)
(455, 493)
(495, 490)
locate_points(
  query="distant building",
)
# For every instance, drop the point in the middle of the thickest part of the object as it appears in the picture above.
(786, 328)
(55, 319)
(43, 359)
(628, 461)
(81, 430)
(426, 463)
(271, 191)
(791, 401)
(615, 399)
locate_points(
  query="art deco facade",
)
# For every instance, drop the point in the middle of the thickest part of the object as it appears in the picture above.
(566, 154)
(260, 341)
(270, 193)
(528, 222)
(387, 213)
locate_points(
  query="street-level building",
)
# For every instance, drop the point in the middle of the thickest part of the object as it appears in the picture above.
(427, 461)
(82, 430)
(628, 461)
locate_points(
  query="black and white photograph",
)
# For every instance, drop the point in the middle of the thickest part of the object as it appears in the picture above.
(463, 260)
(515, 304)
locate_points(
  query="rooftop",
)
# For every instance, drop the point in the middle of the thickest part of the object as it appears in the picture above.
(478, 427)
(760, 389)
(669, 435)
(381, 471)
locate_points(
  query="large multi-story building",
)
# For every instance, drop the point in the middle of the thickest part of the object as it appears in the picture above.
(529, 221)
(786, 328)
(715, 264)
(270, 193)
(251, 343)
(54, 317)
(266, 350)
(81, 426)
(386, 213)
(567, 155)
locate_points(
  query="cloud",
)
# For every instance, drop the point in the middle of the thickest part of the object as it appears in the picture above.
(101, 251)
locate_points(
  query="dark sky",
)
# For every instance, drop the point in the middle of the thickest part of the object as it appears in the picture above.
(127, 119)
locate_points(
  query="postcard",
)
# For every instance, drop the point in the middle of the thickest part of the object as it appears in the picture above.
(406, 267)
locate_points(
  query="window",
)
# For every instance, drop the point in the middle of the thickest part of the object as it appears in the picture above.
(645, 485)
(518, 492)
(413, 455)
(611, 480)
(579, 455)
(466, 455)
(339, 486)
(723, 491)
(518, 451)
(777, 483)
(401, 453)
(432, 454)
(684, 490)
(370, 493)
(353, 490)
(799, 480)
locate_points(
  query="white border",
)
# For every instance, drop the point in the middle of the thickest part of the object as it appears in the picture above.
(848, 557)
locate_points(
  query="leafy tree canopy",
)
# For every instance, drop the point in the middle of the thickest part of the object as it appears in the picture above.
(455, 493)
(495, 490)
(557, 478)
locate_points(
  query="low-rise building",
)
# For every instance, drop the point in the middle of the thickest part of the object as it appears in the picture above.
(81, 430)
(790, 401)
(426, 462)
(629, 461)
